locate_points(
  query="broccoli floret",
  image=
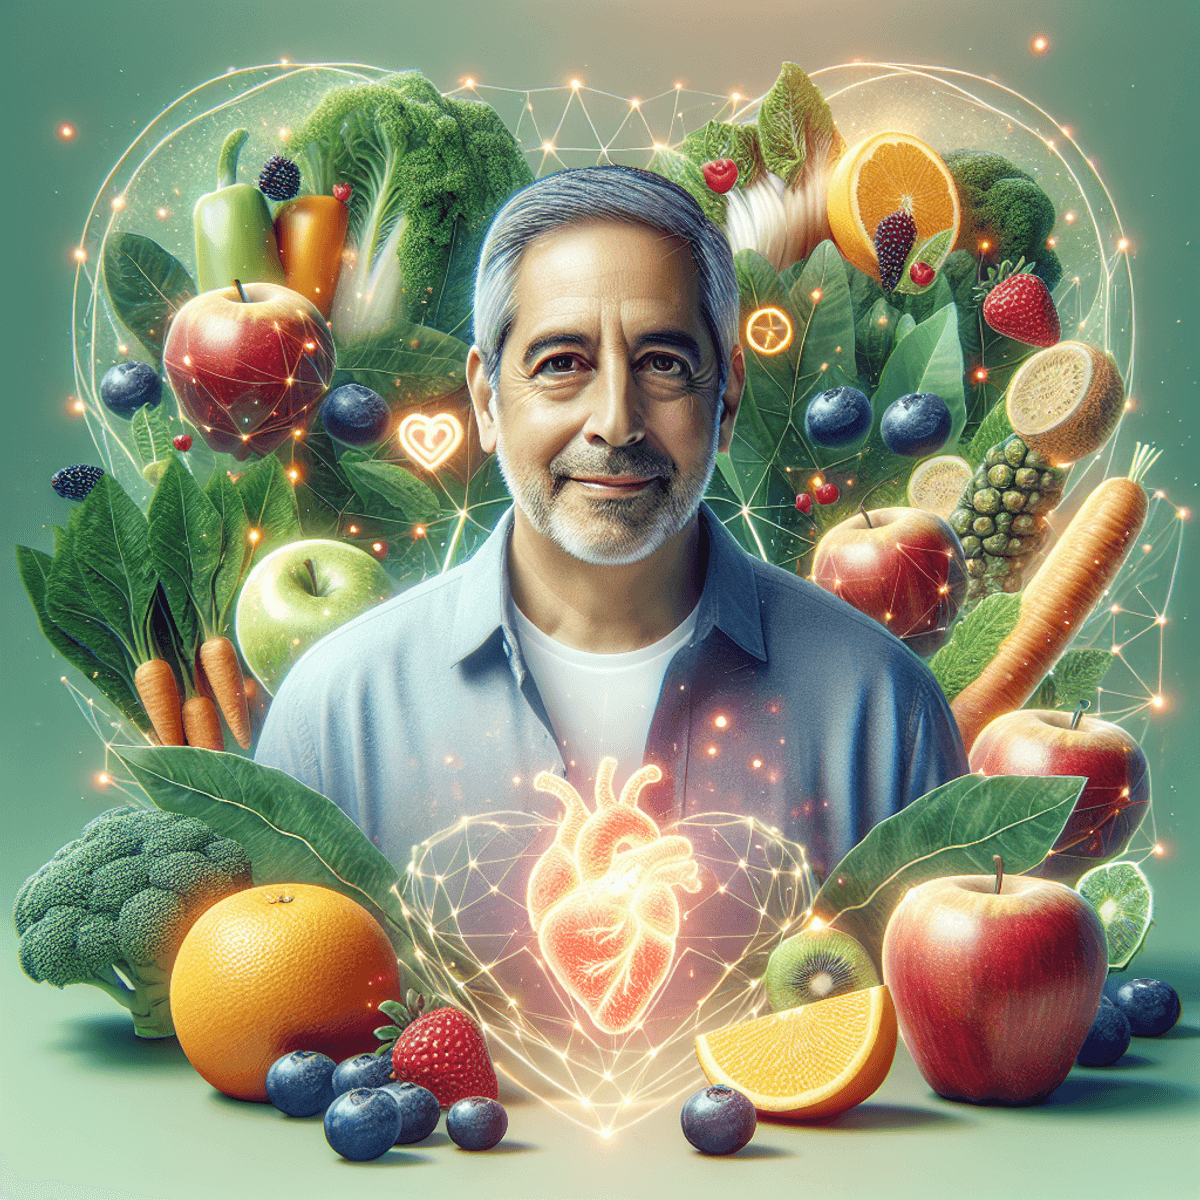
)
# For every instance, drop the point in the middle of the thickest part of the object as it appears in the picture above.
(112, 907)
(1005, 207)
(427, 173)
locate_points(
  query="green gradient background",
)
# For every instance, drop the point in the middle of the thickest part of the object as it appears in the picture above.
(1126, 84)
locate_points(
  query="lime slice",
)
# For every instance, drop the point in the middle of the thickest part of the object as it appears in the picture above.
(1122, 898)
(937, 484)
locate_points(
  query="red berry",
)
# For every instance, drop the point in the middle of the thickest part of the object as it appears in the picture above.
(341, 191)
(380, 550)
(804, 502)
(445, 1052)
(720, 174)
(1021, 308)
(827, 493)
(921, 273)
(182, 442)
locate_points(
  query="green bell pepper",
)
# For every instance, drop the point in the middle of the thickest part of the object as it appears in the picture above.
(235, 238)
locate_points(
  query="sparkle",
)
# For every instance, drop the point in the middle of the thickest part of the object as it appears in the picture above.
(65, 132)
(1039, 45)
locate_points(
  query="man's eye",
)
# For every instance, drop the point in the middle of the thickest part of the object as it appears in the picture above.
(560, 364)
(667, 364)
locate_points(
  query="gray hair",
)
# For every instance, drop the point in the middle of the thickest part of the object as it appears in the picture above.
(591, 194)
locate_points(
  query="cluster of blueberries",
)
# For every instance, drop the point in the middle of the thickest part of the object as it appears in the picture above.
(367, 1112)
(1139, 1008)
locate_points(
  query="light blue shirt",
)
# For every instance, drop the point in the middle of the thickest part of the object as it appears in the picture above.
(422, 710)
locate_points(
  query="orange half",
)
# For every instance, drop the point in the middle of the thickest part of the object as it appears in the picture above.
(810, 1062)
(882, 174)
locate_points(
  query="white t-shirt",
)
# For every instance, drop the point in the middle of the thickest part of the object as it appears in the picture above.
(599, 704)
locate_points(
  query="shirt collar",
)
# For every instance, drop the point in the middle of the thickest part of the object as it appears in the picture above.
(729, 601)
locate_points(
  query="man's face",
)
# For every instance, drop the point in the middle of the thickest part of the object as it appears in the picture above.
(606, 420)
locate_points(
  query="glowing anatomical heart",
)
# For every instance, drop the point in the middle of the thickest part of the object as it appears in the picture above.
(601, 899)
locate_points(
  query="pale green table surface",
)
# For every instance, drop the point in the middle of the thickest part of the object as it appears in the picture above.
(89, 1112)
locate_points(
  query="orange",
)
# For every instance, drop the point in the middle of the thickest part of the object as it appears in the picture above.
(882, 174)
(289, 966)
(809, 1062)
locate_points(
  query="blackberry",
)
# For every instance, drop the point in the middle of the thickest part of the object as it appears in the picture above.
(1001, 518)
(895, 237)
(280, 178)
(74, 483)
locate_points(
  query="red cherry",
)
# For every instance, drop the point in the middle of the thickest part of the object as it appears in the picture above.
(827, 493)
(921, 273)
(720, 174)
(182, 442)
(804, 503)
(341, 191)
(380, 550)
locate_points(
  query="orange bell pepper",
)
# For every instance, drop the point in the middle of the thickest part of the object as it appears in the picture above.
(311, 233)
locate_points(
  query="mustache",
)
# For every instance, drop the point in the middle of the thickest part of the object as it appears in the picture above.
(638, 459)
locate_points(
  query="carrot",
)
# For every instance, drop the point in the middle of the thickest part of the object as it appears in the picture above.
(202, 723)
(159, 694)
(1059, 598)
(221, 668)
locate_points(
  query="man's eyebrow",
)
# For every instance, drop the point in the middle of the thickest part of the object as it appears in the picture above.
(673, 337)
(545, 343)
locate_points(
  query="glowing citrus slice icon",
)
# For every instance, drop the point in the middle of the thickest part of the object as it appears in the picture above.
(769, 330)
(810, 1062)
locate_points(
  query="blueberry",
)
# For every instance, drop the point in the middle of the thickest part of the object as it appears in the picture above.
(837, 417)
(362, 1071)
(476, 1123)
(299, 1083)
(355, 415)
(718, 1120)
(419, 1110)
(128, 386)
(363, 1124)
(1150, 1005)
(916, 424)
(76, 483)
(1107, 1039)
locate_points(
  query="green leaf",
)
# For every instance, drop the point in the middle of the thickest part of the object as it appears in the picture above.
(449, 309)
(680, 169)
(70, 606)
(324, 493)
(405, 363)
(116, 684)
(236, 547)
(112, 554)
(1076, 678)
(954, 830)
(932, 251)
(929, 359)
(827, 342)
(152, 436)
(146, 287)
(270, 503)
(993, 429)
(904, 326)
(398, 489)
(792, 116)
(185, 547)
(290, 833)
(723, 139)
(873, 336)
(974, 642)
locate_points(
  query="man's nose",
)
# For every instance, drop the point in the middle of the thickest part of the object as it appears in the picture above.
(616, 409)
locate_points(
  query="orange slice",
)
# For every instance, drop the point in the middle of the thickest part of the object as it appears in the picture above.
(810, 1062)
(882, 174)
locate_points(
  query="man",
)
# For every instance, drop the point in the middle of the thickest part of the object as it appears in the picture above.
(610, 613)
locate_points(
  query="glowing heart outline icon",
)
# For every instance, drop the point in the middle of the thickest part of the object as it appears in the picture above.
(430, 441)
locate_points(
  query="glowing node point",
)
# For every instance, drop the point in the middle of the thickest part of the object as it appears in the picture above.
(1039, 45)
(65, 132)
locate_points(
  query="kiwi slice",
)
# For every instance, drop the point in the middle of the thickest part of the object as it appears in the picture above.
(815, 965)
(937, 484)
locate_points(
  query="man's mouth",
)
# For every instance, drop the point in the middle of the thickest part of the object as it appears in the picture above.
(614, 485)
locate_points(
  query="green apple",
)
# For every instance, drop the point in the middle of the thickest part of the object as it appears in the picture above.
(296, 595)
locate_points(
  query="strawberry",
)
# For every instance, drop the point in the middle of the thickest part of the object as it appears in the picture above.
(720, 174)
(1018, 305)
(445, 1052)
(895, 237)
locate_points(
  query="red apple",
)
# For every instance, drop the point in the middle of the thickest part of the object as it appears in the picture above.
(995, 993)
(1032, 741)
(249, 371)
(902, 566)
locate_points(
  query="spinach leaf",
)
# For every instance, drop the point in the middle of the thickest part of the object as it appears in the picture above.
(146, 285)
(152, 436)
(270, 503)
(397, 489)
(236, 547)
(974, 642)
